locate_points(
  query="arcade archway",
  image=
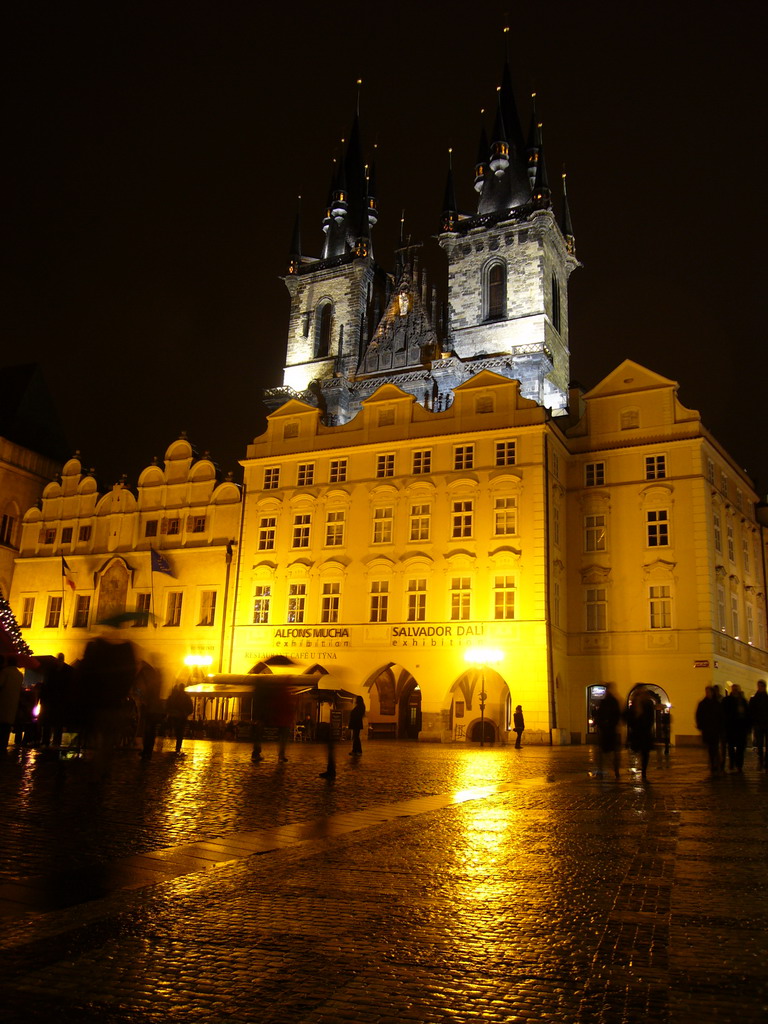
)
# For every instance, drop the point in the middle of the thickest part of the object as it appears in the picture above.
(394, 704)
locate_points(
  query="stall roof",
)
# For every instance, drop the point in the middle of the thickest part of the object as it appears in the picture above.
(227, 684)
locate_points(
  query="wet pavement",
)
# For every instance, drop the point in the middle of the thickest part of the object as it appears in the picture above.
(426, 883)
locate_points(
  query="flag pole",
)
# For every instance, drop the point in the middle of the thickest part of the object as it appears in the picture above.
(152, 589)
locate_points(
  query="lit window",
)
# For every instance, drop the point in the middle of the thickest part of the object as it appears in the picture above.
(207, 608)
(460, 597)
(198, 524)
(267, 529)
(745, 553)
(262, 594)
(338, 471)
(53, 616)
(27, 612)
(419, 522)
(594, 474)
(750, 625)
(417, 600)
(82, 610)
(594, 533)
(329, 610)
(735, 616)
(385, 465)
(657, 525)
(422, 462)
(271, 478)
(379, 600)
(597, 608)
(731, 545)
(302, 522)
(464, 456)
(297, 597)
(382, 525)
(305, 476)
(504, 597)
(334, 528)
(505, 517)
(655, 467)
(506, 453)
(660, 607)
(462, 517)
(173, 608)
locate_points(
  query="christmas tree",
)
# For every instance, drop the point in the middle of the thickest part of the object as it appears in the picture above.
(11, 640)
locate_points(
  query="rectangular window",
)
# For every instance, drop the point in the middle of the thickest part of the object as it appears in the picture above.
(334, 528)
(329, 609)
(661, 607)
(7, 524)
(150, 528)
(655, 467)
(657, 525)
(261, 597)
(718, 531)
(483, 404)
(66, 535)
(420, 521)
(460, 597)
(297, 601)
(172, 526)
(731, 545)
(462, 516)
(82, 611)
(745, 553)
(379, 601)
(302, 523)
(417, 600)
(594, 474)
(207, 608)
(504, 597)
(197, 524)
(556, 523)
(49, 536)
(338, 471)
(594, 533)
(464, 456)
(385, 465)
(267, 529)
(53, 617)
(750, 625)
(505, 517)
(143, 605)
(386, 417)
(27, 612)
(305, 476)
(710, 471)
(173, 608)
(735, 626)
(506, 453)
(382, 525)
(85, 533)
(724, 483)
(597, 610)
(271, 478)
(421, 462)
(629, 419)
(721, 620)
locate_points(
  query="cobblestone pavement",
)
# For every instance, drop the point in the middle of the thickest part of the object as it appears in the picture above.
(426, 884)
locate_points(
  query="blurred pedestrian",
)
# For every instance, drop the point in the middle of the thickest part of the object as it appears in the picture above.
(607, 719)
(722, 743)
(330, 771)
(708, 722)
(640, 717)
(356, 716)
(282, 716)
(53, 700)
(10, 691)
(758, 716)
(178, 708)
(518, 723)
(736, 721)
(148, 691)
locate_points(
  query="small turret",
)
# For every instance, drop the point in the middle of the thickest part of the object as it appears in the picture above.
(481, 167)
(565, 221)
(294, 256)
(499, 161)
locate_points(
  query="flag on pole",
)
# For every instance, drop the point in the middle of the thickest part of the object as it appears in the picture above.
(160, 563)
(66, 573)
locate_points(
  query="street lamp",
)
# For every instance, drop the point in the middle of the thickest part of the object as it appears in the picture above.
(480, 657)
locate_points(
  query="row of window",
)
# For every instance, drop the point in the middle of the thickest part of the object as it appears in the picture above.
(655, 469)
(721, 483)
(152, 528)
(379, 600)
(657, 535)
(383, 524)
(730, 539)
(421, 462)
(82, 609)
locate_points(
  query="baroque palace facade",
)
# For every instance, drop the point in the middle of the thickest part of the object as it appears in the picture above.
(433, 516)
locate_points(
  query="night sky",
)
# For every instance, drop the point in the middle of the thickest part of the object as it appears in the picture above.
(154, 153)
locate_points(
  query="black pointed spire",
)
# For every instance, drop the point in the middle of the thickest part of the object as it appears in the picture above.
(481, 167)
(509, 107)
(450, 215)
(541, 191)
(534, 142)
(499, 144)
(566, 225)
(294, 256)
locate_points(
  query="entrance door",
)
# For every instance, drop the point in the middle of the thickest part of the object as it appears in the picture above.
(410, 713)
(484, 731)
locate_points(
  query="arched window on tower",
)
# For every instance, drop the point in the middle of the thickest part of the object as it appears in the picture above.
(496, 291)
(555, 303)
(324, 324)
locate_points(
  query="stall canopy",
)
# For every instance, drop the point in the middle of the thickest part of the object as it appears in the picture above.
(230, 685)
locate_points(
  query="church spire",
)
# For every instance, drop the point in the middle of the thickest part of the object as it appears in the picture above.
(541, 194)
(450, 212)
(534, 142)
(565, 221)
(294, 256)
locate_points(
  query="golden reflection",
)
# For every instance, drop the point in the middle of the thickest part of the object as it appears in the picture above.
(186, 793)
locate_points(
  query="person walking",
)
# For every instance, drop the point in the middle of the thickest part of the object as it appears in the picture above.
(607, 718)
(178, 708)
(10, 692)
(518, 723)
(758, 716)
(356, 716)
(736, 721)
(640, 717)
(708, 722)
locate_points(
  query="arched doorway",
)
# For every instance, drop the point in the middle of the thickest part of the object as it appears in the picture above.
(661, 710)
(410, 711)
(482, 732)
(394, 710)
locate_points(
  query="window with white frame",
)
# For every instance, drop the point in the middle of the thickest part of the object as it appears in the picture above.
(594, 532)
(655, 467)
(207, 608)
(594, 474)
(505, 516)
(267, 530)
(464, 456)
(657, 527)
(172, 527)
(504, 597)
(53, 615)
(417, 600)
(419, 522)
(421, 462)
(724, 483)
(597, 609)
(718, 530)
(460, 597)
(462, 518)
(197, 524)
(506, 453)
(173, 605)
(262, 594)
(305, 474)
(383, 518)
(735, 625)
(745, 553)
(302, 524)
(335, 520)
(330, 602)
(731, 545)
(297, 602)
(750, 625)
(337, 473)
(379, 601)
(271, 478)
(143, 606)
(385, 464)
(660, 606)
(721, 617)
(27, 612)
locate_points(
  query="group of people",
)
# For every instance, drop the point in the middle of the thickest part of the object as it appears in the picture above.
(640, 719)
(726, 721)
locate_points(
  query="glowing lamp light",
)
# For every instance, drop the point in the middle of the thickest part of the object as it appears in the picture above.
(483, 655)
(36, 710)
(198, 660)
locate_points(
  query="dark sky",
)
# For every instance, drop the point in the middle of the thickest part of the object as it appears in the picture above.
(154, 153)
